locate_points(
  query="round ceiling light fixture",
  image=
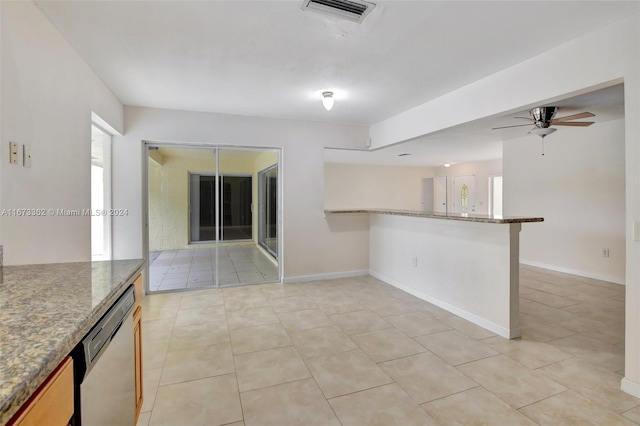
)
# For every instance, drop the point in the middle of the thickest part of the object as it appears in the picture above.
(327, 100)
(447, 164)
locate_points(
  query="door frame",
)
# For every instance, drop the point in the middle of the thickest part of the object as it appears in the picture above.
(261, 209)
(144, 149)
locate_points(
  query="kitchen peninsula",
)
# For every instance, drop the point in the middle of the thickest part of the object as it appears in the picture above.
(45, 310)
(466, 264)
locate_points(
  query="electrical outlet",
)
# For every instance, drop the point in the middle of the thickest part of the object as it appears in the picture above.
(13, 153)
(605, 252)
(414, 262)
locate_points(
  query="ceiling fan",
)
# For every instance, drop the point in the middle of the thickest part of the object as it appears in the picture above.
(543, 119)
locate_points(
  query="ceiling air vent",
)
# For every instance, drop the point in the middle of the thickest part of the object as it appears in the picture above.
(353, 10)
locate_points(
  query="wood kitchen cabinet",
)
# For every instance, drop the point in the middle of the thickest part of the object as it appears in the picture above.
(52, 403)
(139, 293)
(137, 340)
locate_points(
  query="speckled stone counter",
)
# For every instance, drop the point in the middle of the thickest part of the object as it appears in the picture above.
(449, 216)
(45, 310)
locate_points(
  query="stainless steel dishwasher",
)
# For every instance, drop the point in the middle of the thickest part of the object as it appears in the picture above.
(105, 376)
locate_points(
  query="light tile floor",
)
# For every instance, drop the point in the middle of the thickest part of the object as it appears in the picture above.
(359, 352)
(196, 267)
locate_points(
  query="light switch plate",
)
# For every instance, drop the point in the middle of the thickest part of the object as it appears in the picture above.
(26, 155)
(13, 153)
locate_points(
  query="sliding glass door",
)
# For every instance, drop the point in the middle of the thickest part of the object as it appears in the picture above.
(268, 199)
(202, 211)
(212, 216)
(233, 207)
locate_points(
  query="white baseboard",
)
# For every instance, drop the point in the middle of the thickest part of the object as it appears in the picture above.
(581, 273)
(329, 276)
(630, 387)
(491, 326)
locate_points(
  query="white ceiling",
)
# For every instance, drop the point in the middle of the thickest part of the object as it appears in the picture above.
(272, 59)
(476, 141)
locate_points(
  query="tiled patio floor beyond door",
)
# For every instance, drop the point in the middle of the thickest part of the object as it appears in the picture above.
(195, 268)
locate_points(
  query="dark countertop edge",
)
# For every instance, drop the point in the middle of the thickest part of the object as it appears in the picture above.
(11, 405)
(445, 216)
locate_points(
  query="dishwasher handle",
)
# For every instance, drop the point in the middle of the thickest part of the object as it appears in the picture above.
(89, 351)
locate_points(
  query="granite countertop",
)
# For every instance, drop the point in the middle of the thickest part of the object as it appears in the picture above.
(45, 310)
(449, 216)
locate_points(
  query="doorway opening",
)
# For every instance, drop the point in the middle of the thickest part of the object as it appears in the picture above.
(100, 193)
(212, 216)
(495, 195)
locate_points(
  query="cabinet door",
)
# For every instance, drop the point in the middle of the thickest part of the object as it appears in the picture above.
(52, 403)
(137, 338)
(139, 293)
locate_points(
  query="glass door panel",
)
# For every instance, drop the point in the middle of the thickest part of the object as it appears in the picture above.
(202, 199)
(182, 214)
(269, 210)
(208, 224)
(236, 203)
(242, 260)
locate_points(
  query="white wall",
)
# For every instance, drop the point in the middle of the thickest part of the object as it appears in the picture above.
(482, 170)
(3, 158)
(607, 56)
(579, 189)
(312, 244)
(351, 186)
(47, 96)
(467, 268)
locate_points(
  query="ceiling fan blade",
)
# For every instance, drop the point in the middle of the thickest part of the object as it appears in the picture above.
(507, 127)
(526, 118)
(573, 117)
(576, 124)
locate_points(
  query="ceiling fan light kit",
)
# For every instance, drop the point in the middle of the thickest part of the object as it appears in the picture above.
(544, 117)
(543, 131)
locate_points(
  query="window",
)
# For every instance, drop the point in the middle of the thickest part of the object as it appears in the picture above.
(495, 195)
(100, 194)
